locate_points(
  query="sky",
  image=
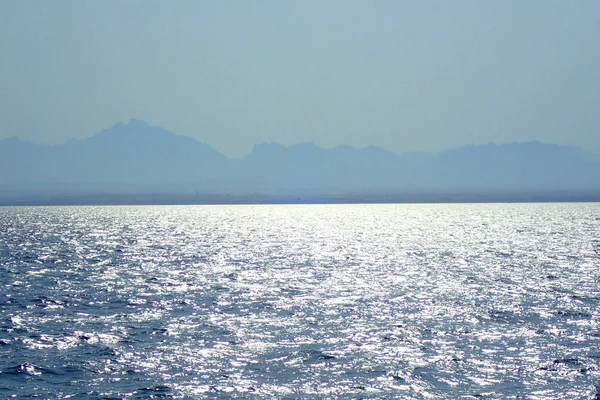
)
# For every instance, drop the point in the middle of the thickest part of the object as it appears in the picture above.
(402, 75)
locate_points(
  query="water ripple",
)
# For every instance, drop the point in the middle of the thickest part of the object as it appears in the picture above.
(358, 301)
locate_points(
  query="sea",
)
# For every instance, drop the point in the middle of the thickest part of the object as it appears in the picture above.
(388, 301)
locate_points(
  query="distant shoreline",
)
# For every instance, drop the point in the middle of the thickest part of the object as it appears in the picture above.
(255, 199)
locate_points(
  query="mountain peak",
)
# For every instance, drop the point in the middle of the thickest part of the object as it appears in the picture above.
(137, 123)
(11, 139)
(134, 128)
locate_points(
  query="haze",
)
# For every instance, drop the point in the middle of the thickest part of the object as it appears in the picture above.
(405, 76)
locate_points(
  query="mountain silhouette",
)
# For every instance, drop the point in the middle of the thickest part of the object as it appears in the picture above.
(138, 158)
(131, 154)
(491, 167)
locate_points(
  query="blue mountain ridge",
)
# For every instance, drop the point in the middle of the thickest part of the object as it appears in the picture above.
(136, 157)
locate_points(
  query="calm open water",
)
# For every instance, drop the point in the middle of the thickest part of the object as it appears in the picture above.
(301, 301)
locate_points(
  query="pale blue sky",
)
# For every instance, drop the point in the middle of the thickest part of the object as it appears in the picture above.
(403, 75)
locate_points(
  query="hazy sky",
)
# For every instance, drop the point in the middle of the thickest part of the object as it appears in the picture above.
(403, 75)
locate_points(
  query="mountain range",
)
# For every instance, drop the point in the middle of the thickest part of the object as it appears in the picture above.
(136, 159)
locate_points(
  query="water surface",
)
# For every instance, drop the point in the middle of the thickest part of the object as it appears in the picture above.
(307, 301)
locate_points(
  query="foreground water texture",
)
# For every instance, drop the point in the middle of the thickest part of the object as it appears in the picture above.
(307, 301)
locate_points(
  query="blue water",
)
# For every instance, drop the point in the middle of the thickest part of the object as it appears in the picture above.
(312, 301)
